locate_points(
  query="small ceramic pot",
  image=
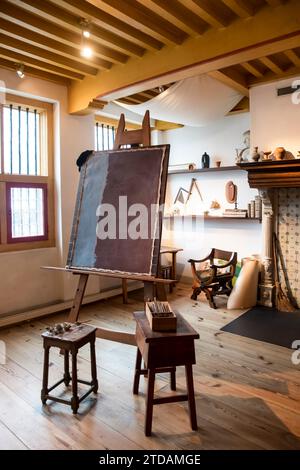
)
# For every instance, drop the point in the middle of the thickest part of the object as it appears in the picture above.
(255, 155)
(279, 153)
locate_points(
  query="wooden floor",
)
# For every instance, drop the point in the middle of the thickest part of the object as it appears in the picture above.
(247, 392)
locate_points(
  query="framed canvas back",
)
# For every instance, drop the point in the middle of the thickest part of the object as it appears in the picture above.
(118, 215)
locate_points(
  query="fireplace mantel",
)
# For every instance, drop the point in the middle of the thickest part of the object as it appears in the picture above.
(273, 174)
(268, 177)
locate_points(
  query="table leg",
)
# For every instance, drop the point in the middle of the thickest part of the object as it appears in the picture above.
(74, 399)
(173, 379)
(44, 391)
(174, 274)
(67, 376)
(191, 396)
(93, 366)
(137, 374)
(149, 402)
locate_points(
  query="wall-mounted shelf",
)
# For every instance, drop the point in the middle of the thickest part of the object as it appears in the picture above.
(213, 217)
(206, 170)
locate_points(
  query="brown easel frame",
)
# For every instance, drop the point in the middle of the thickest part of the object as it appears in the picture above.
(153, 286)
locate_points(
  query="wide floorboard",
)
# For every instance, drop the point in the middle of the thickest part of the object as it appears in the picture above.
(247, 392)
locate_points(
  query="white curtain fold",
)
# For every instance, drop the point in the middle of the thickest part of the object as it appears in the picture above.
(195, 101)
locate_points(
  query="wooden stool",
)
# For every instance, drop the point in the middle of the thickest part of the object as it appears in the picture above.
(70, 342)
(162, 352)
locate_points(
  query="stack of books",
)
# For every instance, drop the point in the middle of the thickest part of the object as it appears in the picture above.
(240, 213)
(255, 208)
(258, 207)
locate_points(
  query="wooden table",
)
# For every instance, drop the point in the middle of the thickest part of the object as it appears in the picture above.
(162, 352)
(173, 251)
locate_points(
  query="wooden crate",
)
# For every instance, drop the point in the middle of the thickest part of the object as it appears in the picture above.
(159, 321)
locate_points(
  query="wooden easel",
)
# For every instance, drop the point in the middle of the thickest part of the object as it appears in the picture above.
(153, 286)
(133, 138)
(136, 137)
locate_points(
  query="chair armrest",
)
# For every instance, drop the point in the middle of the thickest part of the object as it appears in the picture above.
(200, 260)
(230, 262)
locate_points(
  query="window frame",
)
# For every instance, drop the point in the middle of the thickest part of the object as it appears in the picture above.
(10, 238)
(7, 243)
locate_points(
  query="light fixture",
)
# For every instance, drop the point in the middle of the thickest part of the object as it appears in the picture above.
(20, 70)
(86, 50)
(85, 27)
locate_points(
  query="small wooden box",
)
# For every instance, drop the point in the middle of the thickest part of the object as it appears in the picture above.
(161, 321)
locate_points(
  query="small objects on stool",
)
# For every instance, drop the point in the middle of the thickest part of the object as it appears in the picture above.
(59, 328)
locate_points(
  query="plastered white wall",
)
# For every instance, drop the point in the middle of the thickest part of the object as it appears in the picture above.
(275, 120)
(23, 284)
(219, 140)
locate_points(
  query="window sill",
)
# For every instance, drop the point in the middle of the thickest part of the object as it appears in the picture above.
(25, 246)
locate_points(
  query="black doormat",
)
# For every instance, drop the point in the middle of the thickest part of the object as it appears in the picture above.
(268, 325)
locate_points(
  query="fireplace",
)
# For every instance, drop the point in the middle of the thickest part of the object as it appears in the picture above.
(278, 183)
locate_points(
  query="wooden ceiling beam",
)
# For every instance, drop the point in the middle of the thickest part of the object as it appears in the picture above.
(30, 61)
(275, 3)
(34, 51)
(22, 17)
(251, 69)
(109, 21)
(271, 76)
(59, 47)
(141, 97)
(207, 11)
(131, 100)
(31, 71)
(233, 79)
(293, 57)
(165, 125)
(148, 95)
(184, 16)
(55, 11)
(144, 17)
(97, 104)
(241, 8)
(243, 106)
(241, 41)
(271, 65)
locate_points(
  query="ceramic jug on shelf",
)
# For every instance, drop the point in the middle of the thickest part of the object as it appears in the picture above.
(205, 160)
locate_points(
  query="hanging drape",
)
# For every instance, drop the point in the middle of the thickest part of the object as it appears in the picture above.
(195, 101)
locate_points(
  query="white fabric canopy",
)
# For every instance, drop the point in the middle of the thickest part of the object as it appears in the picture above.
(195, 101)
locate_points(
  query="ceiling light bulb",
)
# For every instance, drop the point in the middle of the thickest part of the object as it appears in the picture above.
(85, 27)
(86, 52)
(20, 71)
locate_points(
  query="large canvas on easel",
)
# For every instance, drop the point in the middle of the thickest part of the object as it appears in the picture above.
(140, 174)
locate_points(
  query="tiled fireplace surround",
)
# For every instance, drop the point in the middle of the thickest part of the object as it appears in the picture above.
(279, 186)
(288, 230)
